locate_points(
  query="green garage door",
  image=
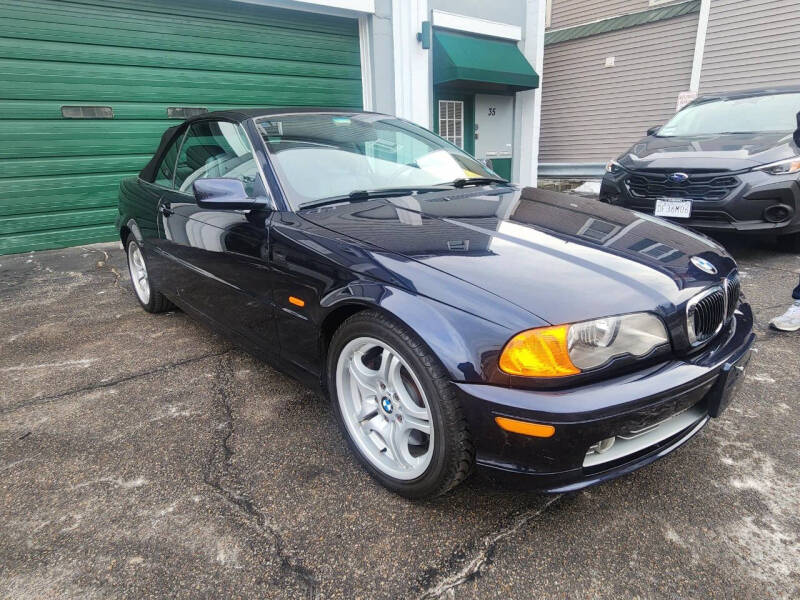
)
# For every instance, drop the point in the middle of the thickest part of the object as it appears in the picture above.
(130, 65)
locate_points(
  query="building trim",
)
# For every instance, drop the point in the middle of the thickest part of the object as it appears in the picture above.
(367, 85)
(700, 45)
(528, 104)
(447, 20)
(412, 70)
(610, 24)
(329, 7)
(365, 6)
(576, 170)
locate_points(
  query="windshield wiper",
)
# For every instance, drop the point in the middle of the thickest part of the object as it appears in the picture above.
(360, 195)
(464, 182)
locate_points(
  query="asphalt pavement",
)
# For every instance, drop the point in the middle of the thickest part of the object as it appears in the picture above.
(142, 456)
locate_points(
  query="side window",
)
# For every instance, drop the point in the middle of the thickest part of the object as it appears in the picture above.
(167, 166)
(214, 149)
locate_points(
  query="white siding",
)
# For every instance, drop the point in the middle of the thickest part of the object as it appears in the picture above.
(591, 113)
(566, 13)
(753, 43)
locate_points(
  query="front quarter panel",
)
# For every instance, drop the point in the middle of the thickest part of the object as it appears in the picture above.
(333, 276)
(467, 346)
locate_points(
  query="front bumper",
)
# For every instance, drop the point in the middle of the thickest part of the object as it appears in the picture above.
(672, 398)
(750, 207)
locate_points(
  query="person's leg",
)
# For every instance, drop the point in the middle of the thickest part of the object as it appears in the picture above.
(790, 320)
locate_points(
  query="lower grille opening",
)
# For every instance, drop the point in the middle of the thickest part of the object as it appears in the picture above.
(634, 445)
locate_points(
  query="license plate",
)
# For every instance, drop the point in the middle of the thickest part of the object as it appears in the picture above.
(727, 385)
(673, 207)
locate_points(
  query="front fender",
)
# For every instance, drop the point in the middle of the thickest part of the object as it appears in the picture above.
(134, 229)
(467, 346)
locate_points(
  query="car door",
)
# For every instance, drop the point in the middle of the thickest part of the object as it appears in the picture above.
(165, 274)
(224, 253)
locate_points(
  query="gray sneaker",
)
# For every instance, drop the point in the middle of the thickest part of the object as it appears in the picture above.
(790, 320)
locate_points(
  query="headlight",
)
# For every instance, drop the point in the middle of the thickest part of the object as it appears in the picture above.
(613, 166)
(564, 350)
(783, 167)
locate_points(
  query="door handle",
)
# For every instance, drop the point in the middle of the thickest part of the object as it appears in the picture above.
(166, 210)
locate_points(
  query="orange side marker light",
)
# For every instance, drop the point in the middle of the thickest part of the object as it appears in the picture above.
(296, 301)
(525, 427)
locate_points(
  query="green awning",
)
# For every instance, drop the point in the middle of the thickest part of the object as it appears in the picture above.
(477, 63)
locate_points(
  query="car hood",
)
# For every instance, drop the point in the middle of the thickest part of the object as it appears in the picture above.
(560, 257)
(721, 151)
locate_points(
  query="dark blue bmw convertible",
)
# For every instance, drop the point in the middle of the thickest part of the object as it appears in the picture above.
(453, 319)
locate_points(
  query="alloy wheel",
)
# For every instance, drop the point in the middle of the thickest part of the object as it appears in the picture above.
(384, 408)
(138, 271)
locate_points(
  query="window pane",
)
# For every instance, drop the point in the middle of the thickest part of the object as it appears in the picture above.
(328, 155)
(217, 149)
(451, 121)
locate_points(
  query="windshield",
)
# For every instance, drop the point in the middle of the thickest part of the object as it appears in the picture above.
(758, 114)
(319, 156)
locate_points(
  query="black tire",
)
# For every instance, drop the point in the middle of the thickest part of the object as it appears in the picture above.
(157, 302)
(453, 453)
(789, 243)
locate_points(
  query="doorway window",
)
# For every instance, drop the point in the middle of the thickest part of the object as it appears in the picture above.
(451, 121)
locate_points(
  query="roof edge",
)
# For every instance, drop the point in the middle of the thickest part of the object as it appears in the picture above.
(610, 24)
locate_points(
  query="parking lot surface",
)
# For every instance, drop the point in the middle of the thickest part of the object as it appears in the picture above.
(143, 456)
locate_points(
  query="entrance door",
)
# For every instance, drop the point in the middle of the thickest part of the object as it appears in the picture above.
(494, 131)
(454, 119)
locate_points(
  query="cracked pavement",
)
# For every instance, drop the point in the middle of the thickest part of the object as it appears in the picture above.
(143, 456)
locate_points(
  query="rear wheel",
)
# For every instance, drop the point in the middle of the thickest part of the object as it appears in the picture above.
(396, 407)
(789, 243)
(148, 296)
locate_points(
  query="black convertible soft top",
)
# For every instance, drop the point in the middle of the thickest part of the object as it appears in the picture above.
(148, 173)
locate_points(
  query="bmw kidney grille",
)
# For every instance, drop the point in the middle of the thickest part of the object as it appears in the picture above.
(733, 290)
(705, 315)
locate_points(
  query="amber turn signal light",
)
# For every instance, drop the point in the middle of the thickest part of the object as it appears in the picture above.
(538, 352)
(296, 301)
(525, 427)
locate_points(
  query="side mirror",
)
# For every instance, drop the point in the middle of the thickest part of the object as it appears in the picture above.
(223, 194)
(653, 130)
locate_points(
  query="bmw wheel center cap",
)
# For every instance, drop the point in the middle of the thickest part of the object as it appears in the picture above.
(704, 265)
(386, 403)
